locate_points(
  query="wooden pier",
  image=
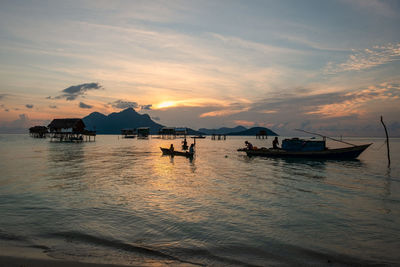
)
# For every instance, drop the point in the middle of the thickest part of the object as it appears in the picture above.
(262, 135)
(128, 133)
(218, 137)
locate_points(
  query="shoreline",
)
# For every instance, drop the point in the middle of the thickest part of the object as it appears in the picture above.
(12, 261)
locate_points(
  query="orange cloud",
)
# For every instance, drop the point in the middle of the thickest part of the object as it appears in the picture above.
(220, 113)
(245, 123)
(356, 101)
(268, 111)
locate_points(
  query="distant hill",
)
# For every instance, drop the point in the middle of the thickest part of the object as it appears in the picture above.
(254, 131)
(223, 130)
(113, 123)
(126, 119)
(194, 132)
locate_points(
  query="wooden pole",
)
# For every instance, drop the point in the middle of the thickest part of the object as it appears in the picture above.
(387, 141)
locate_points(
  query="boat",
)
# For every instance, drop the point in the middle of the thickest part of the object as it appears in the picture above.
(337, 153)
(167, 151)
(199, 137)
(316, 149)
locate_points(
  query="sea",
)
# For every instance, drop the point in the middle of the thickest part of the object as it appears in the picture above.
(121, 201)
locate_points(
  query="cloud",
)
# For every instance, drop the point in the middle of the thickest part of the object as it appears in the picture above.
(4, 107)
(20, 125)
(83, 105)
(146, 107)
(366, 59)
(72, 92)
(220, 113)
(383, 8)
(29, 106)
(121, 104)
(227, 110)
(351, 103)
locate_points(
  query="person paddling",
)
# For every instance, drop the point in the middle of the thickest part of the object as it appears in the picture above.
(249, 145)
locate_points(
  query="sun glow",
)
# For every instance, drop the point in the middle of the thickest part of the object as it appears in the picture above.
(194, 102)
(165, 104)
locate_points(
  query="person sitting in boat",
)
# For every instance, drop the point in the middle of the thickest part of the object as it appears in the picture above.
(249, 145)
(275, 143)
(184, 144)
(171, 148)
(191, 149)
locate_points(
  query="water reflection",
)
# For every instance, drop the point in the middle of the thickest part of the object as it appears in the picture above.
(66, 153)
(66, 166)
(191, 160)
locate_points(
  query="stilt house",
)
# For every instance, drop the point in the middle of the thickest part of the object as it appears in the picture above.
(69, 130)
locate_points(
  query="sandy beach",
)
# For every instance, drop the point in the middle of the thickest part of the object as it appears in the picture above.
(6, 261)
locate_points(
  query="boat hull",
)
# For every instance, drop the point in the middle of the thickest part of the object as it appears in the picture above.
(166, 151)
(339, 153)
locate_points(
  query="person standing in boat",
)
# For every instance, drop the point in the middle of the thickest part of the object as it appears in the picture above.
(249, 145)
(275, 143)
(191, 149)
(171, 148)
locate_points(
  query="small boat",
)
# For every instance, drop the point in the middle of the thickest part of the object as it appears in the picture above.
(129, 136)
(199, 137)
(337, 153)
(167, 151)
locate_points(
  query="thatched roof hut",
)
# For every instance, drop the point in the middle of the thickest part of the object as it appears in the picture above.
(38, 130)
(67, 126)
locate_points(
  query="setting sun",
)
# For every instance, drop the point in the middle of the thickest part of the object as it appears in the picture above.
(165, 104)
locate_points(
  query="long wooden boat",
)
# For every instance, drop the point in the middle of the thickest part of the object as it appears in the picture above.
(167, 151)
(337, 153)
(199, 137)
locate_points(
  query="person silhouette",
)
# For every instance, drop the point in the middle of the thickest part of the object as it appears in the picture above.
(249, 145)
(191, 149)
(275, 143)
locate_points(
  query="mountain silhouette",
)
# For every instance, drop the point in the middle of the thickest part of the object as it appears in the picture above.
(254, 131)
(114, 122)
(223, 130)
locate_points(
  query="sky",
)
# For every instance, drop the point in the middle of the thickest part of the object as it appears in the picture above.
(327, 66)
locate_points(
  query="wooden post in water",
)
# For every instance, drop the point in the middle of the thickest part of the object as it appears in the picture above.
(387, 141)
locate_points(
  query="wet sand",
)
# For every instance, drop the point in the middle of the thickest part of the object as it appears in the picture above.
(7, 261)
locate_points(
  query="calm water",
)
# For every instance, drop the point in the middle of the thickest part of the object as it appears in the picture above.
(121, 201)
